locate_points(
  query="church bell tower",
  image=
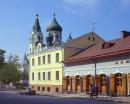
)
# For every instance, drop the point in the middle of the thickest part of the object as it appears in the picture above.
(36, 36)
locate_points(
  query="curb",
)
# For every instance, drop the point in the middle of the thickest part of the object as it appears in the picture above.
(99, 98)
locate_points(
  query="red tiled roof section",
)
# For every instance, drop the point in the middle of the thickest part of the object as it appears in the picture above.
(120, 45)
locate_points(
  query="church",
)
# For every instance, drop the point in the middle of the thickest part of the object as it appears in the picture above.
(47, 52)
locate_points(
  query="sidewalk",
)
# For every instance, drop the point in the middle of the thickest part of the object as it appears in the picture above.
(84, 96)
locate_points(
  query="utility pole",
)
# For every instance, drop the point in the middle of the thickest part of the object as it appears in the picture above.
(95, 72)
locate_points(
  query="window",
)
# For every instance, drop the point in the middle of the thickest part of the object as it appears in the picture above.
(116, 62)
(32, 87)
(57, 89)
(43, 75)
(49, 75)
(103, 79)
(57, 57)
(29, 61)
(88, 38)
(49, 58)
(38, 88)
(127, 61)
(93, 39)
(30, 50)
(39, 76)
(119, 79)
(48, 89)
(33, 62)
(57, 75)
(33, 76)
(39, 48)
(39, 60)
(43, 59)
(43, 88)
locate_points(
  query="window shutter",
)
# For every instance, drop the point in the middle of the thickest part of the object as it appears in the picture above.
(92, 80)
(64, 84)
(84, 83)
(129, 81)
(112, 84)
(98, 82)
(87, 84)
(124, 83)
(74, 84)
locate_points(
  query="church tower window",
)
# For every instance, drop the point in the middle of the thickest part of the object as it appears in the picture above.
(57, 57)
(49, 59)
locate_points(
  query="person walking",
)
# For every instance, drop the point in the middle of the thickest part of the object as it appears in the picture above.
(91, 91)
(96, 91)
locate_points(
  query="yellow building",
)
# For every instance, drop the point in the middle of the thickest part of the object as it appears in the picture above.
(45, 60)
(45, 67)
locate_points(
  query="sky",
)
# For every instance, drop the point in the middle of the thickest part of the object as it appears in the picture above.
(17, 17)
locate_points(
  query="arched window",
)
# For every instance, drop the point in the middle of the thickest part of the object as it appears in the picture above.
(78, 79)
(103, 79)
(32, 39)
(30, 50)
(39, 48)
(118, 79)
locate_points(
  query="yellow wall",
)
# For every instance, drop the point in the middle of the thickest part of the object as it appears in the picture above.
(52, 67)
(78, 44)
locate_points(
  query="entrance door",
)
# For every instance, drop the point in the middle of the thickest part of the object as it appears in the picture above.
(69, 83)
(78, 83)
(89, 82)
(120, 86)
(103, 84)
(84, 83)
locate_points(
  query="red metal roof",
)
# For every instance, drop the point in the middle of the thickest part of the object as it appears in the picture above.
(120, 46)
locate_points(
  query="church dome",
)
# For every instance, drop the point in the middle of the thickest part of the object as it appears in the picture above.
(54, 26)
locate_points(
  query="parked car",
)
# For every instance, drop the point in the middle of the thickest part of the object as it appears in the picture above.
(28, 91)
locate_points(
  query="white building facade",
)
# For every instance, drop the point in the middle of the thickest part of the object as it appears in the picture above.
(105, 65)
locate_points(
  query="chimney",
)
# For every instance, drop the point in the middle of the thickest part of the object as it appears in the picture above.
(124, 34)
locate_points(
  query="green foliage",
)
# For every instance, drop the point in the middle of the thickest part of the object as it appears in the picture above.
(10, 71)
(2, 52)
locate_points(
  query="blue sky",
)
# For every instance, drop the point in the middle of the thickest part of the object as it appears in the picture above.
(75, 16)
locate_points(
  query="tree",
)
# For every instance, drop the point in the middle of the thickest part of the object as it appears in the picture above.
(2, 57)
(10, 71)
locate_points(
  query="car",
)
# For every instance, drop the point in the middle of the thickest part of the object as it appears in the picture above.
(28, 91)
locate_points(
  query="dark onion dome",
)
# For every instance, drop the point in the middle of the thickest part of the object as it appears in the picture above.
(36, 26)
(54, 26)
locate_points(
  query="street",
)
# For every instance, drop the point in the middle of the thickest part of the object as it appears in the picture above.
(15, 98)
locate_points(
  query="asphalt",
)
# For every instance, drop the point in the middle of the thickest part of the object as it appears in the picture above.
(13, 97)
(84, 96)
(12, 93)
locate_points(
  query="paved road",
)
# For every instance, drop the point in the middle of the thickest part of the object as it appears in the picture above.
(7, 89)
(13, 98)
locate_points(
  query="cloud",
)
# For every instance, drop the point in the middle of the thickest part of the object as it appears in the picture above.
(82, 2)
(80, 6)
(125, 3)
(71, 10)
